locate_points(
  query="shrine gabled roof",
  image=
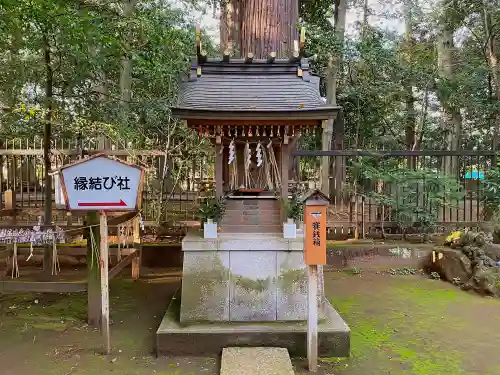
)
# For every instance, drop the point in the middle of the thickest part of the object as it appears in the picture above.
(262, 90)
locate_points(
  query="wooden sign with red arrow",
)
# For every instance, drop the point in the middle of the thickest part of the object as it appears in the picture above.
(103, 184)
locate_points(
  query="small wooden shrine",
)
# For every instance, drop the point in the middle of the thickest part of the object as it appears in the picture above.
(252, 109)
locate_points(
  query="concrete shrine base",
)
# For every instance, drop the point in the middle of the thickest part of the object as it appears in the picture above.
(242, 277)
(209, 338)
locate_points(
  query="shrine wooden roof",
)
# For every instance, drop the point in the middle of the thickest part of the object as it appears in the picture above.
(243, 89)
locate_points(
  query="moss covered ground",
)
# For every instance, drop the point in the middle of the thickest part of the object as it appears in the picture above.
(411, 325)
(401, 325)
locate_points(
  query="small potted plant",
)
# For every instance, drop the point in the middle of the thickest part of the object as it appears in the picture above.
(294, 211)
(210, 214)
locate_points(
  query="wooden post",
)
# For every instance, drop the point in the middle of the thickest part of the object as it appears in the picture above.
(10, 204)
(312, 318)
(104, 283)
(219, 163)
(10, 200)
(93, 272)
(315, 212)
(135, 267)
(284, 159)
(137, 262)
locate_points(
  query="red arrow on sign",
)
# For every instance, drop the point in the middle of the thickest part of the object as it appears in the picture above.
(121, 203)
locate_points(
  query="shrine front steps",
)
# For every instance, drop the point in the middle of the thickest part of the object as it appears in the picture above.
(246, 228)
(253, 204)
(253, 217)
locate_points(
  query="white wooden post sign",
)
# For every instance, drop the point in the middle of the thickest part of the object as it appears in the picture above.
(102, 184)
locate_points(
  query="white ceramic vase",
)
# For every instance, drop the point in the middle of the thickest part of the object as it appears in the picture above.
(209, 229)
(289, 229)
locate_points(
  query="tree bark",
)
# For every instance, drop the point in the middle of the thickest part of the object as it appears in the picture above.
(259, 27)
(47, 139)
(451, 119)
(334, 67)
(494, 71)
(335, 190)
(126, 65)
(411, 116)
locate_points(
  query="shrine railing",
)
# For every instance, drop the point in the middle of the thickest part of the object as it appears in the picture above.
(171, 193)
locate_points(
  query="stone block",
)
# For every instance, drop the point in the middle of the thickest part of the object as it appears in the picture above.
(291, 286)
(205, 286)
(253, 286)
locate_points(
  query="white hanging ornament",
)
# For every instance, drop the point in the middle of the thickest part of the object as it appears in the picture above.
(231, 152)
(259, 154)
(249, 154)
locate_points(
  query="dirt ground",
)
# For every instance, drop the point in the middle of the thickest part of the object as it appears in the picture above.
(401, 325)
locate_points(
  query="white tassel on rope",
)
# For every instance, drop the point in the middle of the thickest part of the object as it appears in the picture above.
(55, 257)
(31, 252)
(248, 161)
(15, 265)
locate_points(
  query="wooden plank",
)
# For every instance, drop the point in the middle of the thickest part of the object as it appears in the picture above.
(124, 263)
(42, 287)
(136, 262)
(312, 318)
(104, 258)
(75, 152)
(6, 253)
(62, 250)
(93, 273)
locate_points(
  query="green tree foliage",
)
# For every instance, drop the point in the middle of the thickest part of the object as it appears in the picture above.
(86, 41)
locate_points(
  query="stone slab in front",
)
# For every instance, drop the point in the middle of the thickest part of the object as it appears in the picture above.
(209, 339)
(256, 361)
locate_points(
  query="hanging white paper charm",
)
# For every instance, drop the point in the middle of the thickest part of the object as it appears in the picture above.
(259, 154)
(231, 152)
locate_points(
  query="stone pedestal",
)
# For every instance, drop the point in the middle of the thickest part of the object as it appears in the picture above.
(243, 277)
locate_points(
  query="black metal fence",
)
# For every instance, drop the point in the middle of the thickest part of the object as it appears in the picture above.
(357, 198)
(174, 187)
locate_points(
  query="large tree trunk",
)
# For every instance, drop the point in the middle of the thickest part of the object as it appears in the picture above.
(47, 141)
(451, 119)
(259, 27)
(126, 65)
(334, 69)
(494, 71)
(411, 116)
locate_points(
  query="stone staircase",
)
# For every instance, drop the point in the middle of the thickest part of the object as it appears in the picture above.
(252, 216)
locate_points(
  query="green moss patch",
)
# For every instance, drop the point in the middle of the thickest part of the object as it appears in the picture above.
(408, 326)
